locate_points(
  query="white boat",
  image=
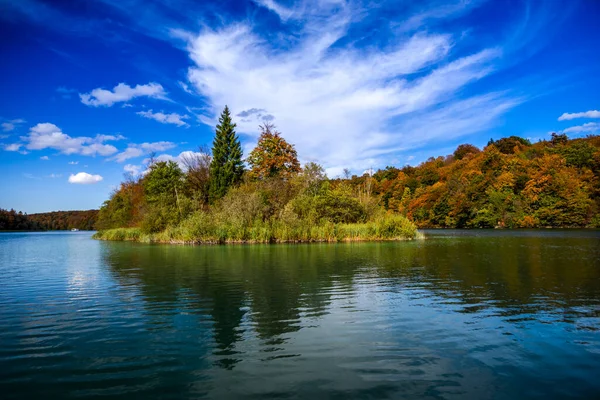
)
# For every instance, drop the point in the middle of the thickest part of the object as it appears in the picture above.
(74, 230)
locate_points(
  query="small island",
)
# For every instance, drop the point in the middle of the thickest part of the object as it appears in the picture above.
(217, 200)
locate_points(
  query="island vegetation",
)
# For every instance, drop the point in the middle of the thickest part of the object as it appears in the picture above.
(214, 199)
(511, 183)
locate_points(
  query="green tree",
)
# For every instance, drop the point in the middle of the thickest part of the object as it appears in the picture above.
(273, 156)
(163, 189)
(163, 182)
(226, 167)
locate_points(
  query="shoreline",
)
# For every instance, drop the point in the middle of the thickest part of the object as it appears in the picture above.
(420, 236)
(387, 229)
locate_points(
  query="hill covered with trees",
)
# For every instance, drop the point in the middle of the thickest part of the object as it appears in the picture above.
(11, 220)
(511, 183)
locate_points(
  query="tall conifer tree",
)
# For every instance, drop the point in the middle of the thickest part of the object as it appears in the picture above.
(226, 167)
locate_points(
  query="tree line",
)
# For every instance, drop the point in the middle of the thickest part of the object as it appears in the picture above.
(511, 183)
(11, 220)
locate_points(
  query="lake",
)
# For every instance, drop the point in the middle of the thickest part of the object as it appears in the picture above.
(462, 314)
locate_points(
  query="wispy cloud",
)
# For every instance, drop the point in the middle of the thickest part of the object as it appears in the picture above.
(12, 147)
(49, 136)
(45, 158)
(132, 169)
(340, 104)
(173, 118)
(586, 114)
(590, 127)
(31, 176)
(11, 125)
(138, 150)
(65, 92)
(83, 178)
(185, 87)
(122, 93)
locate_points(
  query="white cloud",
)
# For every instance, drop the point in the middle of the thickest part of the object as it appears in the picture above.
(341, 105)
(84, 178)
(49, 136)
(130, 152)
(73, 162)
(12, 147)
(137, 150)
(109, 138)
(185, 87)
(132, 169)
(284, 13)
(173, 118)
(586, 114)
(590, 127)
(53, 176)
(11, 125)
(122, 93)
(45, 158)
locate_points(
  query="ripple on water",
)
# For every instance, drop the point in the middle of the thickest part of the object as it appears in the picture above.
(480, 315)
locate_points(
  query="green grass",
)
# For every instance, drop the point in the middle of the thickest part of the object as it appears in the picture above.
(201, 228)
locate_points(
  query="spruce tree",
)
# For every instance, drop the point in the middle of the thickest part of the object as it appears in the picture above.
(226, 167)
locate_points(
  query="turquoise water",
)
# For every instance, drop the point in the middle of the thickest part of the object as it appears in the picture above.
(462, 314)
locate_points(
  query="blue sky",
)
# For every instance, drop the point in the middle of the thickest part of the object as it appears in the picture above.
(90, 89)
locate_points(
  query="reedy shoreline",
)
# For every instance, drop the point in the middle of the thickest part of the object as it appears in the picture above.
(197, 230)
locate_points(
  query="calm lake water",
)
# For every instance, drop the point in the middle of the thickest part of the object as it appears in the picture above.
(462, 314)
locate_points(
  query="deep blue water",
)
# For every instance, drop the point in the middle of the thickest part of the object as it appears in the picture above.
(462, 314)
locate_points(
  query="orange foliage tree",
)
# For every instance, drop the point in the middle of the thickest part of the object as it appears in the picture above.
(272, 156)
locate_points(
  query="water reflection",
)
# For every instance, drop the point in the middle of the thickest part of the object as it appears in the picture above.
(273, 291)
(479, 314)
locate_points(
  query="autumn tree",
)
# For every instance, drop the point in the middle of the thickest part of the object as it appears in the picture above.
(226, 167)
(272, 156)
(464, 149)
(509, 144)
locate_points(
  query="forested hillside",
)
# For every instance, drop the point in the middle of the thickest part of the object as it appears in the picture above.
(11, 220)
(57, 220)
(61, 220)
(511, 183)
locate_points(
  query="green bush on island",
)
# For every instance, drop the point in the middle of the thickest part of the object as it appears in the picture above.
(215, 201)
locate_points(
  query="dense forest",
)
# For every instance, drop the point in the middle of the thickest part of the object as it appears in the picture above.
(11, 220)
(511, 183)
